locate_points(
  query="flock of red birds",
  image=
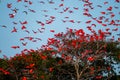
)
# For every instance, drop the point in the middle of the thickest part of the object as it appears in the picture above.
(105, 18)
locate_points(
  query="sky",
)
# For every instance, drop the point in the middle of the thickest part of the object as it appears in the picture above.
(29, 23)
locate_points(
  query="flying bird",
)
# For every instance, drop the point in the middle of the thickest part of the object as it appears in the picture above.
(19, 0)
(4, 26)
(15, 10)
(31, 10)
(15, 47)
(9, 5)
(23, 23)
(25, 12)
(24, 43)
(23, 27)
(12, 15)
(14, 30)
(52, 31)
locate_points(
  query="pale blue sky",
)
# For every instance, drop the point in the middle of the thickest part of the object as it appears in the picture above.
(8, 39)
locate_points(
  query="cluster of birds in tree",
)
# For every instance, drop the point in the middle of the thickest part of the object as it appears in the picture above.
(105, 18)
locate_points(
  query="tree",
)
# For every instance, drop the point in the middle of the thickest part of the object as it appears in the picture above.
(30, 65)
(90, 54)
(73, 55)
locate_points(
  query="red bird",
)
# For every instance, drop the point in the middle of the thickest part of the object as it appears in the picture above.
(105, 2)
(9, 5)
(11, 15)
(25, 22)
(27, 31)
(23, 27)
(25, 0)
(112, 15)
(72, 21)
(112, 22)
(107, 29)
(15, 10)
(103, 12)
(15, 47)
(19, 0)
(35, 32)
(110, 8)
(90, 58)
(93, 25)
(87, 14)
(52, 17)
(30, 2)
(14, 30)
(30, 38)
(115, 29)
(15, 23)
(76, 8)
(24, 44)
(89, 28)
(66, 9)
(118, 39)
(51, 2)
(21, 39)
(104, 24)
(52, 30)
(32, 10)
(70, 11)
(117, 1)
(61, 5)
(87, 22)
(24, 78)
(41, 23)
